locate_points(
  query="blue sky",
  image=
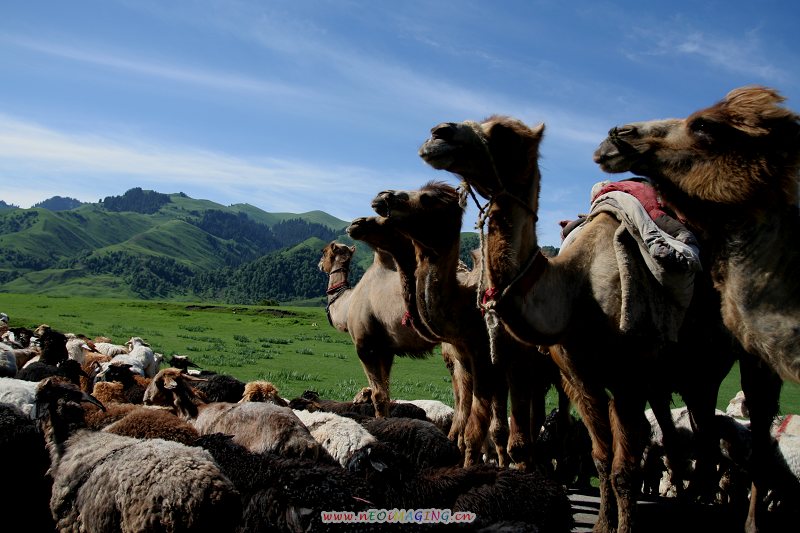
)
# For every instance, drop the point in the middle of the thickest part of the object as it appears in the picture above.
(297, 105)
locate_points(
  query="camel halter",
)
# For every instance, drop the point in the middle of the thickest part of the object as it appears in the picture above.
(487, 299)
(335, 292)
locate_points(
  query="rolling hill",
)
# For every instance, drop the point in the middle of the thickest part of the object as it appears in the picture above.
(146, 244)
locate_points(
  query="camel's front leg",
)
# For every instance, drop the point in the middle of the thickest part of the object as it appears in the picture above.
(627, 419)
(498, 428)
(377, 367)
(592, 405)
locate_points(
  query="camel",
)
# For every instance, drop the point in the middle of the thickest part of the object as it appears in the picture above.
(372, 313)
(446, 307)
(395, 246)
(572, 303)
(731, 172)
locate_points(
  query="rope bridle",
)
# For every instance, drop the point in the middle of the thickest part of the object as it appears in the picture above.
(487, 299)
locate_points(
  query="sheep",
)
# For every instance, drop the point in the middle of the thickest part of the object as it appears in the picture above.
(220, 388)
(262, 391)
(311, 401)
(53, 346)
(26, 488)
(78, 346)
(8, 362)
(183, 362)
(119, 385)
(340, 436)
(437, 412)
(104, 346)
(737, 407)
(157, 485)
(495, 495)
(287, 493)
(140, 356)
(39, 370)
(564, 450)
(19, 393)
(150, 423)
(18, 337)
(260, 427)
(421, 441)
(92, 365)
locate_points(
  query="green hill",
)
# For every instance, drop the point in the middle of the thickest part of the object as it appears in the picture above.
(147, 244)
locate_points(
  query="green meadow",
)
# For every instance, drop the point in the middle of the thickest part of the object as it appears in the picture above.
(293, 347)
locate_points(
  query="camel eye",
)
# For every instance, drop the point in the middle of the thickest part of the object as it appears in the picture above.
(702, 126)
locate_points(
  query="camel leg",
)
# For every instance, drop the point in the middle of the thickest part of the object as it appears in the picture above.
(627, 420)
(676, 455)
(463, 377)
(483, 381)
(592, 406)
(499, 427)
(377, 367)
(762, 389)
(520, 438)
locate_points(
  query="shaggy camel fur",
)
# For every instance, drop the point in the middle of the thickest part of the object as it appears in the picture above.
(572, 303)
(731, 171)
(445, 306)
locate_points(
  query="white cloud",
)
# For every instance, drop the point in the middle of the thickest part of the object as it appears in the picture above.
(42, 162)
(740, 53)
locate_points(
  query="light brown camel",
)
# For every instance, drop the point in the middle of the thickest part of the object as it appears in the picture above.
(396, 246)
(573, 302)
(446, 307)
(731, 171)
(372, 312)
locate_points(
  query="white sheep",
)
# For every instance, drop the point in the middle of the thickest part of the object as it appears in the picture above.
(141, 357)
(109, 348)
(437, 412)
(19, 393)
(339, 435)
(107, 482)
(8, 361)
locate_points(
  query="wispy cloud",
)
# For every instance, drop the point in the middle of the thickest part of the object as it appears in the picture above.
(143, 66)
(741, 54)
(32, 155)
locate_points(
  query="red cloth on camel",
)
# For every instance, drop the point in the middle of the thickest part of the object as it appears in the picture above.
(644, 192)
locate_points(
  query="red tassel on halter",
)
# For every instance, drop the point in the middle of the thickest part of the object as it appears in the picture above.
(407, 320)
(489, 294)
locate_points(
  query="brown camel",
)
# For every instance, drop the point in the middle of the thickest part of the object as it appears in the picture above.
(731, 171)
(396, 246)
(446, 306)
(372, 312)
(573, 302)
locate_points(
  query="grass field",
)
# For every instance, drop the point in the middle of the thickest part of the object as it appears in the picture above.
(293, 347)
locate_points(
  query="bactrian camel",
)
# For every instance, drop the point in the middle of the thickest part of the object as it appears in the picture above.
(372, 313)
(431, 218)
(573, 302)
(731, 171)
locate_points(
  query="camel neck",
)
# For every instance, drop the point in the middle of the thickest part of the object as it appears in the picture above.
(337, 281)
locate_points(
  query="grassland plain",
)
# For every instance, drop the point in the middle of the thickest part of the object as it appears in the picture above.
(293, 347)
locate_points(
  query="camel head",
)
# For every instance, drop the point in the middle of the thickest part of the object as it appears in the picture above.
(336, 256)
(424, 215)
(744, 151)
(499, 154)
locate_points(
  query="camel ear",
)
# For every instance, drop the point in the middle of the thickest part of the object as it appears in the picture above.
(538, 130)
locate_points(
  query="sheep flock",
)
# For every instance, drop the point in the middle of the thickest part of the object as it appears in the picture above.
(100, 436)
